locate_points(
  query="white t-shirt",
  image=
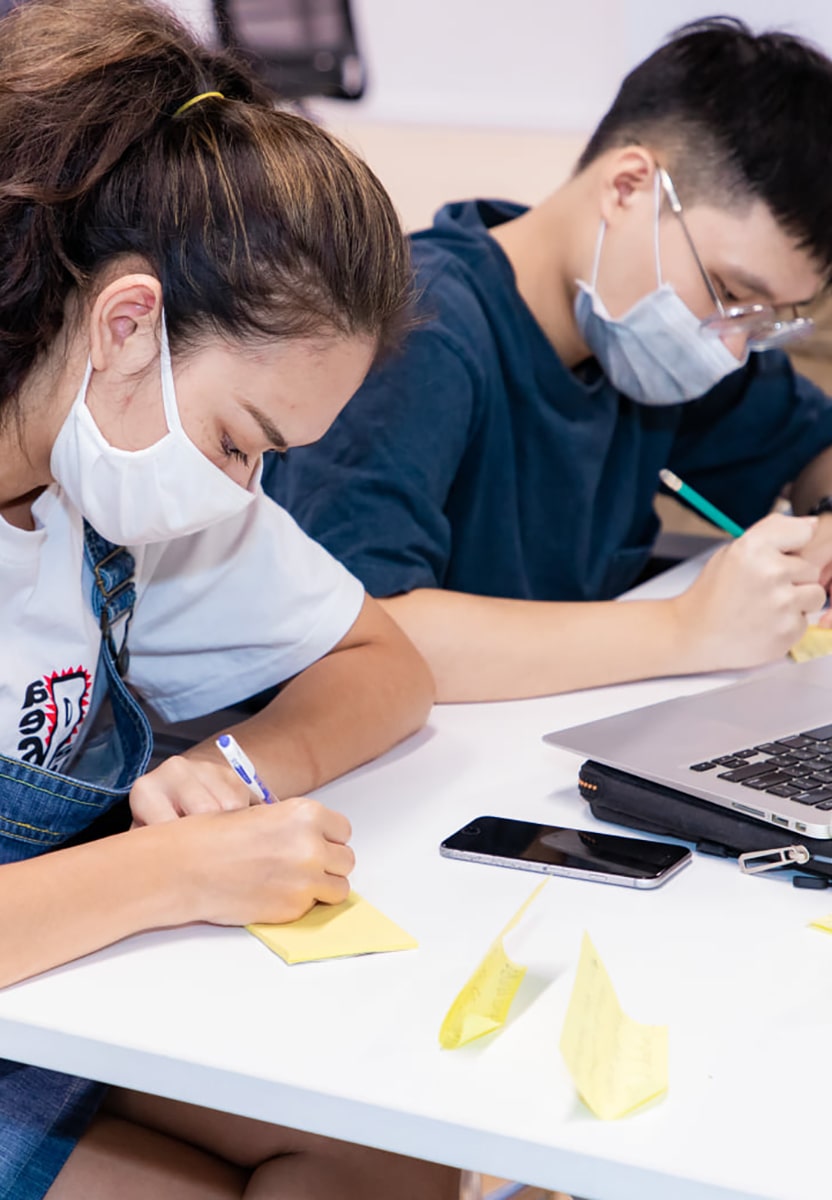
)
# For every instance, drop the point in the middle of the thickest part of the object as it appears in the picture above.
(219, 616)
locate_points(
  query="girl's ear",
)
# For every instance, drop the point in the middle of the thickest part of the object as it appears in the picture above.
(627, 180)
(124, 325)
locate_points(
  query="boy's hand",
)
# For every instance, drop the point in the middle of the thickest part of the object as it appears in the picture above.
(751, 602)
(819, 551)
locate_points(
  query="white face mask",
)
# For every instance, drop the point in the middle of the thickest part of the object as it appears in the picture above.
(656, 353)
(132, 497)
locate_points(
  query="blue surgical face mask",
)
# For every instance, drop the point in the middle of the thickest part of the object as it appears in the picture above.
(656, 352)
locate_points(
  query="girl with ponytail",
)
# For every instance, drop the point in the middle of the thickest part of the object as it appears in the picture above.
(187, 279)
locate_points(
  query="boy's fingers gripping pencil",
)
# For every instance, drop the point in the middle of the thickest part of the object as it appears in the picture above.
(703, 506)
(239, 761)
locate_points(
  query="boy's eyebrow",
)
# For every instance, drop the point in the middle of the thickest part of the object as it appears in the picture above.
(753, 283)
(270, 431)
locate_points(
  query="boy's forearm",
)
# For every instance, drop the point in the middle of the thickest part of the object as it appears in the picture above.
(486, 648)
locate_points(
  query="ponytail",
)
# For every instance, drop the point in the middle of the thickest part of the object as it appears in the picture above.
(256, 221)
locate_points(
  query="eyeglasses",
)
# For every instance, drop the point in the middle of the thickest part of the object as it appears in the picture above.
(759, 323)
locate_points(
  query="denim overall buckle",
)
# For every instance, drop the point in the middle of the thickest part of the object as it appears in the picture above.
(115, 592)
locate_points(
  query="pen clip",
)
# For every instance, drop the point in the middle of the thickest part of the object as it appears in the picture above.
(754, 862)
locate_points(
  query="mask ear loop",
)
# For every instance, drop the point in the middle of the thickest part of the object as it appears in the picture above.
(657, 195)
(657, 203)
(85, 387)
(169, 404)
(596, 262)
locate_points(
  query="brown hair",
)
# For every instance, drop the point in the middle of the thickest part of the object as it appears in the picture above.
(257, 222)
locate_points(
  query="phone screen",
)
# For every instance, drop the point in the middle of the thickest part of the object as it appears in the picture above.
(555, 847)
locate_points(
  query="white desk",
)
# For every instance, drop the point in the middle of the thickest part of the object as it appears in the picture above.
(350, 1048)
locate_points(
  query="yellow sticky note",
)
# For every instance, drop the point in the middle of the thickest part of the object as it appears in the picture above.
(815, 643)
(483, 1003)
(335, 931)
(824, 923)
(616, 1063)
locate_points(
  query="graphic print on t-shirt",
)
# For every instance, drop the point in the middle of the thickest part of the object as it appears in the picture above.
(53, 709)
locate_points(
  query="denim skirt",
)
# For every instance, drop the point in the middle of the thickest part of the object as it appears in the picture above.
(42, 1116)
(43, 1113)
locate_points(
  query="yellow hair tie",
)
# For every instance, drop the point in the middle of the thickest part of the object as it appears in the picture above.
(196, 99)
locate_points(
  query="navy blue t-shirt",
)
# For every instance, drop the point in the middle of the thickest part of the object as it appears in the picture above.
(475, 460)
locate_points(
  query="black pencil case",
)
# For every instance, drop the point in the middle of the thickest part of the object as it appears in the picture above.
(640, 804)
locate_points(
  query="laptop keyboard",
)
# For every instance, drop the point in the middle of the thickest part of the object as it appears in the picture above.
(798, 766)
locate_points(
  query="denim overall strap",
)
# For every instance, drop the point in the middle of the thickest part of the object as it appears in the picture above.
(113, 599)
(41, 809)
(114, 593)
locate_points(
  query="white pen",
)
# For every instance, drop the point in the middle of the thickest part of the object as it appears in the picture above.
(239, 761)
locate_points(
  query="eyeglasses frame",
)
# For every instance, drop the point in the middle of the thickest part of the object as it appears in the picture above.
(782, 331)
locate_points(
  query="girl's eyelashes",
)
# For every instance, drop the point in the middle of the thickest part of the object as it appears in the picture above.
(232, 451)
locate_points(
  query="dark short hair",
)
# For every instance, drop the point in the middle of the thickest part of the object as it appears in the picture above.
(735, 116)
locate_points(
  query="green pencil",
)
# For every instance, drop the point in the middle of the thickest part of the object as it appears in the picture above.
(703, 506)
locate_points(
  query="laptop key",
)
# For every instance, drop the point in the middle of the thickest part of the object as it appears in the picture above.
(724, 760)
(747, 753)
(769, 748)
(703, 766)
(798, 742)
(783, 760)
(784, 789)
(746, 772)
(819, 796)
(824, 806)
(822, 734)
(764, 782)
(799, 770)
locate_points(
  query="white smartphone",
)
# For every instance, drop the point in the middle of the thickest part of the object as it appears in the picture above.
(555, 850)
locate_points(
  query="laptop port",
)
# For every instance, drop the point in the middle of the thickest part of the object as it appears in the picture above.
(779, 820)
(800, 827)
(754, 812)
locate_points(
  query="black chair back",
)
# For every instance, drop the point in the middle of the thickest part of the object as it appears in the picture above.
(298, 48)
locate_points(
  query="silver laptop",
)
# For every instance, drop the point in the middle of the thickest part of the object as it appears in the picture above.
(762, 746)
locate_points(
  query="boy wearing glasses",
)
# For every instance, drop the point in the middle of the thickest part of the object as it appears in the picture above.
(494, 484)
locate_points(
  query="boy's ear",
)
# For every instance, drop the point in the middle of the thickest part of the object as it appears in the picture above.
(124, 324)
(628, 180)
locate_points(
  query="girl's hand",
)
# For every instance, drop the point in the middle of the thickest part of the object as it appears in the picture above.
(752, 600)
(269, 863)
(184, 785)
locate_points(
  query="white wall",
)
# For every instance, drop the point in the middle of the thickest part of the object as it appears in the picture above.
(496, 97)
(196, 12)
(536, 64)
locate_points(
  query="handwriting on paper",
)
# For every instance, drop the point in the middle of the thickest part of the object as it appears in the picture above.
(484, 1002)
(616, 1063)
